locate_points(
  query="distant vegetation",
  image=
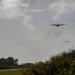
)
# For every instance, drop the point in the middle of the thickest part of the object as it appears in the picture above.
(61, 64)
(8, 63)
(12, 63)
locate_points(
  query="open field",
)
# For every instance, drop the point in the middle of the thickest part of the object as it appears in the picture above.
(11, 73)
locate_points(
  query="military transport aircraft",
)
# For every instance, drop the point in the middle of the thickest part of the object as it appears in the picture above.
(57, 25)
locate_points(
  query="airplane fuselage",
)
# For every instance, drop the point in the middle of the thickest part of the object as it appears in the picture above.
(57, 25)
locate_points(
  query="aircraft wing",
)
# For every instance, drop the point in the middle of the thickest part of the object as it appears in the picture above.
(61, 24)
(54, 24)
(57, 24)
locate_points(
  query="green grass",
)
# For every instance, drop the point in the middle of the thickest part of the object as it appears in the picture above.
(11, 73)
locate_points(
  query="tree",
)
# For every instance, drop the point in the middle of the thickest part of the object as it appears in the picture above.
(3, 61)
(12, 61)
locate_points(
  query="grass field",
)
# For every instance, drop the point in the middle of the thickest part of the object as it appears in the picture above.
(11, 73)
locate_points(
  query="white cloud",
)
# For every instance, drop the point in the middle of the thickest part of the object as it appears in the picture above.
(14, 8)
(62, 8)
(10, 9)
(27, 22)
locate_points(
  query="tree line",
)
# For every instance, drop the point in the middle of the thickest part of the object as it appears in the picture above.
(61, 64)
(7, 63)
(12, 63)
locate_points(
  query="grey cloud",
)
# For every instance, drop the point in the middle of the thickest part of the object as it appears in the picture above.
(62, 8)
(16, 8)
(25, 24)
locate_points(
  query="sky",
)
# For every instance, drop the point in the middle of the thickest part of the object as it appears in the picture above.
(26, 32)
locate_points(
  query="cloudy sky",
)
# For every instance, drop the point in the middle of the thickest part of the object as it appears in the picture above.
(25, 31)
